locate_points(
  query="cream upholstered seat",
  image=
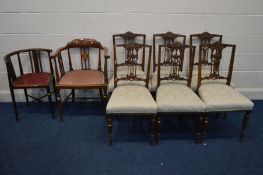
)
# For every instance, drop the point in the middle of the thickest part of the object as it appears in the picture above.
(221, 97)
(123, 72)
(173, 97)
(130, 95)
(131, 99)
(206, 73)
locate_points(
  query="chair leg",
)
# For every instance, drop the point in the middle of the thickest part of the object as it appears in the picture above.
(158, 124)
(153, 129)
(14, 104)
(27, 101)
(73, 95)
(199, 130)
(60, 106)
(50, 102)
(54, 89)
(109, 124)
(204, 128)
(244, 126)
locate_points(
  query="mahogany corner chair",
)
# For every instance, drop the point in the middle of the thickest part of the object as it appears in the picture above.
(72, 75)
(131, 99)
(26, 69)
(220, 97)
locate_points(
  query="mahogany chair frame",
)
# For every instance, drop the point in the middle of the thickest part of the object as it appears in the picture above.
(84, 44)
(167, 38)
(175, 62)
(205, 38)
(214, 61)
(131, 62)
(36, 64)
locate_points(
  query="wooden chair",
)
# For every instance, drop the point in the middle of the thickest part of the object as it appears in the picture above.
(201, 39)
(120, 52)
(21, 77)
(219, 97)
(131, 99)
(72, 75)
(162, 39)
(174, 95)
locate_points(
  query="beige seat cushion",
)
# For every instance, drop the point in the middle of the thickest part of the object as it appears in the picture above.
(178, 98)
(220, 97)
(129, 99)
(83, 78)
(206, 73)
(122, 73)
(164, 73)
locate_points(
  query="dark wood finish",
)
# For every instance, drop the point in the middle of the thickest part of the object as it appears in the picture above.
(174, 61)
(214, 53)
(165, 38)
(72, 76)
(129, 38)
(132, 61)
(214, 57)
(175, 54)
(203, 39)
(36, 78)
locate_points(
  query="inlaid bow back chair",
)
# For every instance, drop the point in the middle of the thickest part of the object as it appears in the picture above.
(81, 64)
(120, 53)
(175, 97)
(197, 40)
(219, 97)
(132, 99)
(29, 69)
(162, 39)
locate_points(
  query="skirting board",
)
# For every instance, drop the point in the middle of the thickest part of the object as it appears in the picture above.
(251, 93)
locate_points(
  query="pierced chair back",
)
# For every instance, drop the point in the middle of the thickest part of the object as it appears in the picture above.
(128, 38)
(133, 60)
(173, 60)
(165, 38)
(214, 55)
(65, 59)
(203, 39)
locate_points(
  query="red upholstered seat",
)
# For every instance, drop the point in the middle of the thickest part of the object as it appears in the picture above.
(33, 80)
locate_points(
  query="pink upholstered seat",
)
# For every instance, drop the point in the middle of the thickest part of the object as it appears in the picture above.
(83, 78)
(38, 79)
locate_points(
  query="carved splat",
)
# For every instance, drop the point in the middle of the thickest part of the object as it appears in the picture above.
(128, 37)
(175, 57)
(215, 52)
(85, 64)
(167, 38)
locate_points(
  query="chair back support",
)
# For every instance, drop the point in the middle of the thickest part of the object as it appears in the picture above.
(214, 55)
(201, 39)
(129, 38)
(174, 58)
(66, 58)
(165, 38)
(131, 62)
(17, 62)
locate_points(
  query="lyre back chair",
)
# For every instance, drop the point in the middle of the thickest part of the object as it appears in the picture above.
(221, 97)
(79, 65)
(197, 40)
(175, 96)
(29, 69)
(162, 39)
(119, 55)
(132, 98)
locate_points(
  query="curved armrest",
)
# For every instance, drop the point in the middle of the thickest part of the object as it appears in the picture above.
(55, 54)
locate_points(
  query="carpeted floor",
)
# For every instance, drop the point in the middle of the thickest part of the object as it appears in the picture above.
(40, 145)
